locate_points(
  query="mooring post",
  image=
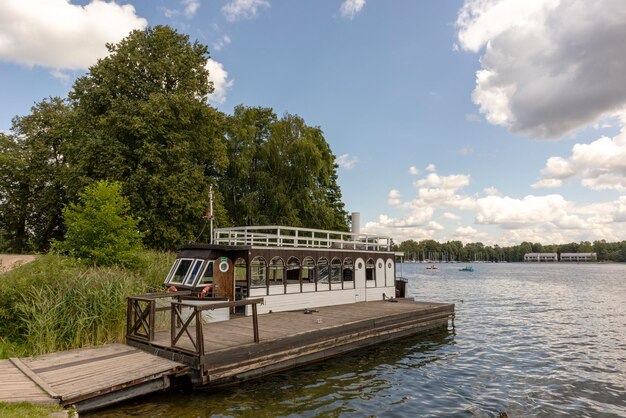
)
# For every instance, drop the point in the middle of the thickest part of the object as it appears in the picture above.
(255, 323)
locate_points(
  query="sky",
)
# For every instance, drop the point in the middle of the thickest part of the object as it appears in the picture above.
(498, 121)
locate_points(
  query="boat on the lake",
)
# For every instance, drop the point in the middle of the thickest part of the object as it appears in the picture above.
(433, 267)
(467, 268)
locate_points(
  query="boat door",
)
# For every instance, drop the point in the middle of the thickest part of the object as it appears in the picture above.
(359, 281)
(224, 278)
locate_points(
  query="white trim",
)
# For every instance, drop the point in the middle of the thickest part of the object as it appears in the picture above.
(189, 274)
(186, 273)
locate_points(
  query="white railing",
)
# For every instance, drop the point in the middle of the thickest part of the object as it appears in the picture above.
(283, 236)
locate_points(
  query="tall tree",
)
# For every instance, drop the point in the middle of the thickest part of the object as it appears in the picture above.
(145, 122)
(34, 176)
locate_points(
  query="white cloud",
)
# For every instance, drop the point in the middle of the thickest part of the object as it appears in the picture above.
(221, 84)
(190, 7)
(413, 170)
(221, 42)
(547, 184)
(346, 161)
(452, 182)
(465, 231)
(243, 9)
(430, 167)
(60, 35)
(548, 66)
(451, 216)
(601, 165)
(350, 8)
(490, 191)
(393, 198)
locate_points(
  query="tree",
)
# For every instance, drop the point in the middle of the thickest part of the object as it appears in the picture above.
(34, 176)
(100, 228)
(146, 123)
(280, 172)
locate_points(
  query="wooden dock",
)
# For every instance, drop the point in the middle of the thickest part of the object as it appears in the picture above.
(88, 378)
(208, 354)
(226, 352)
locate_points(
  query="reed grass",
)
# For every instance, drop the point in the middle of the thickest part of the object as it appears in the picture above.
(56, 303)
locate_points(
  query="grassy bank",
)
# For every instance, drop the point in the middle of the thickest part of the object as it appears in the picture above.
(27, 410)
(56, 303)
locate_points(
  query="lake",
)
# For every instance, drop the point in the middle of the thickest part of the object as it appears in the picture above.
(529, 340)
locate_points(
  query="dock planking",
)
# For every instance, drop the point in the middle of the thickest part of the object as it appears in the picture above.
(290, 339)
(88, 378)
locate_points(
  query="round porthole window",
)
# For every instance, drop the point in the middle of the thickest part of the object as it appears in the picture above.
(223, 266)
(359, 266)
(389, 265)
(380, 265)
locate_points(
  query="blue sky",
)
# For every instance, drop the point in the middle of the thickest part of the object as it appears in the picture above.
(495, 121)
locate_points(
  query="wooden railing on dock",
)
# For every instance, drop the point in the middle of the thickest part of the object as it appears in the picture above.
(180, 325)
(141, 313)
(141, 322)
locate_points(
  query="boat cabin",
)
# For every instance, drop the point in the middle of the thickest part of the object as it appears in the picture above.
(290, 268)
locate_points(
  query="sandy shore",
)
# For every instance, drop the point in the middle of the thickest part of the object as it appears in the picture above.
(8, 261)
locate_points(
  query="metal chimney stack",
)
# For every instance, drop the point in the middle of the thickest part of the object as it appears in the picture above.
(356, 223)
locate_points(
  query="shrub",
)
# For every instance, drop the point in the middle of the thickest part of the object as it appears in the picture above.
(99, 228)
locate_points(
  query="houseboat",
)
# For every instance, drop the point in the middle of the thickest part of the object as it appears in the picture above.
(290, 268)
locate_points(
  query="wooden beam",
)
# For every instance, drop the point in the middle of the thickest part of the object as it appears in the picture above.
(35, 378)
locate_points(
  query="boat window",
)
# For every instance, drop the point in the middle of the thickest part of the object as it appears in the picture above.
(308, 270)
(335, 270)
(293, 270)
(277, 271)
(172, 270)
(348, 270)
(322, 271)
(257, 272)
(240, 270)
(181, 271)
(370, 269)
(207, 274)
(193, 272)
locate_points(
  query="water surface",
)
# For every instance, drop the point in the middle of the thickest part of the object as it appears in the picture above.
(529, 339)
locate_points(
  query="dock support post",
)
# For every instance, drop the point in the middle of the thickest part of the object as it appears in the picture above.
(255, 323)
(199, 332)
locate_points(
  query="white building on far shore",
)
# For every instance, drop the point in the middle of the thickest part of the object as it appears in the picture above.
(577, 257)
(543, 257)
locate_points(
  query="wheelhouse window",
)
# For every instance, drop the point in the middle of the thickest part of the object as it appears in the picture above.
(257, 272)
(180, 270)
(207, 274)
(370, 269)
(194, 272)
(335, 270)
(241, 270)
(308, 270)
(323, 272)
(277, 271)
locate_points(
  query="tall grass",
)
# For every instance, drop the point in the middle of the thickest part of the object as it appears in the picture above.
(55, 303)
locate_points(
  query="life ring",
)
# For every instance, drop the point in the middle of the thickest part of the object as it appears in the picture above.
(205, 290)
(172, 289)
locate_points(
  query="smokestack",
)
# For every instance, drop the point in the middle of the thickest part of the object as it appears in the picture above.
(356, 223)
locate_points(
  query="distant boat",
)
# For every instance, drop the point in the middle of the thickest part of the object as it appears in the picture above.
(468, 268)
(433, 267)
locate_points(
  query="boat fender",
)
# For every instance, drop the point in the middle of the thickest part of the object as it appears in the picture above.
(172, 289)
(205, 290)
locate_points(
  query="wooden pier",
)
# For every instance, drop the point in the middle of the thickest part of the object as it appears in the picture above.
(165, 345)
(243, 348)
(88, 378)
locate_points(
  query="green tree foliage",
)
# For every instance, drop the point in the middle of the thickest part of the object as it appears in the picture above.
(34, 176)
(145, 122)
(281, 172)
(99, 227)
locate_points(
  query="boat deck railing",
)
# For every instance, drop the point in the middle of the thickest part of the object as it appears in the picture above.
(283, 236)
